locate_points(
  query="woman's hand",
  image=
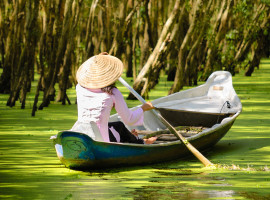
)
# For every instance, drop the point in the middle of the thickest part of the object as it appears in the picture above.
(134, 132)
(147, 106)
(150, 140)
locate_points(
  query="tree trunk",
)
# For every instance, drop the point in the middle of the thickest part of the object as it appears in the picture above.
(22, 71)
(146, 37)
(183, 25)
(62, 24)
(121, 28)
(134, 53)
(139, 82)
(259, 47)
(193, 59)
(11, 51)
(90, 29)
(118, 36)
(158, 64)
(212, 43)
(183, 52)
(31, 35)
(72, 22)
(246, 43)
(129, 42)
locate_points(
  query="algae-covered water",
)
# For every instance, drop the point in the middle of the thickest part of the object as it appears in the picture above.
(29, 168)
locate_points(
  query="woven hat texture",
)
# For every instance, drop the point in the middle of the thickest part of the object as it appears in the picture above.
(99, 71)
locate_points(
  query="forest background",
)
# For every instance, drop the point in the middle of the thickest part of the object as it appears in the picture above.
(185, 40)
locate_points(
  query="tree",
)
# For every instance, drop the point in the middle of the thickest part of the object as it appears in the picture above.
(187, 40)
(20, 49)
(139, 83)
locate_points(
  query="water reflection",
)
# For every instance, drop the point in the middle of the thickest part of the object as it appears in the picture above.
(184, 184)
(180, 192)
(213, 194)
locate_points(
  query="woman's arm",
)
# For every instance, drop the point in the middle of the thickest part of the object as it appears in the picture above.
(129, 117)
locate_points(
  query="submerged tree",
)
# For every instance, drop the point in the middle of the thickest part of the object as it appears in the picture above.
(19, 48)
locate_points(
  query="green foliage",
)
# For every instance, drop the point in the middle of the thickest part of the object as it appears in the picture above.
(267, 2)
(232, 35)
(188, 5)
(244, 8)
(265, 32)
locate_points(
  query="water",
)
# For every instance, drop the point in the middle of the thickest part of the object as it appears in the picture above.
(30, 169)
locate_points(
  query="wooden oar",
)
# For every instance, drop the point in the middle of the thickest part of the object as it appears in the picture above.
(191, 148)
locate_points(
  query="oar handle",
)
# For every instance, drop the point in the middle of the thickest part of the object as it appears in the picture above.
(132, 90)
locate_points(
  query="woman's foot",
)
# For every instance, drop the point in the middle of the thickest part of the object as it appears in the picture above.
(150, 140)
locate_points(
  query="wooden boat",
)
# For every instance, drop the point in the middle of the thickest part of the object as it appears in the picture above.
(213, 106)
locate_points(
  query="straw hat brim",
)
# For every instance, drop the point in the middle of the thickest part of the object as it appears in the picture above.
(99, 71)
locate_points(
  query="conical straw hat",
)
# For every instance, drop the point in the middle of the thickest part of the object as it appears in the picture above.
(99, 71)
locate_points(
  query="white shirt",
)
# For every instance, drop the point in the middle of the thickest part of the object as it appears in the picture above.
(95, 105)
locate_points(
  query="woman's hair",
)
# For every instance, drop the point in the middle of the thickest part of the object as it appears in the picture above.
(108, 89)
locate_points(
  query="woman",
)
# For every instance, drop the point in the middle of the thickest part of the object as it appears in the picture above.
(97, 95)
